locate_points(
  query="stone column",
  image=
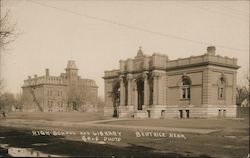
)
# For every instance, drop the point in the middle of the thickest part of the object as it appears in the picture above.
(160, 90)
(130, 91)
(135, 95)
(184, 114)
(146, 89)
(234, 88)
(155, 88)
(109, 103)
(122, 91)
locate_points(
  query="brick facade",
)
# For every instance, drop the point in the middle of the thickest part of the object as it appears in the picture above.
(67, 92)
(156, 87)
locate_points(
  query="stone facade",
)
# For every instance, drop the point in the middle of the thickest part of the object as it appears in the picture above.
(67, 92)
(156, 87)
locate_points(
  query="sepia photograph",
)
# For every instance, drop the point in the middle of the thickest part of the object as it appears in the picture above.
(124, 78)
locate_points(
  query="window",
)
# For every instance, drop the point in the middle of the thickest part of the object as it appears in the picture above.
(50, 103)
(185, 88)
(49, 92)
(59, 93)
(221, 89)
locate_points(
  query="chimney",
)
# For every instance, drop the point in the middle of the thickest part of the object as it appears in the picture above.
(211, 50)
(47, 72)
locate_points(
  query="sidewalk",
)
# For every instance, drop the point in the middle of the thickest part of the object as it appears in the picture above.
(98, 123)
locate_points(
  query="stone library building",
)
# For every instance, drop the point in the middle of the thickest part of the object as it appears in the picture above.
(153, 86)
(67, 92)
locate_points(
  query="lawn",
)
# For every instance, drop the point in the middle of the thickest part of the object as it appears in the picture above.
(231, 140)
(219, 144)
(56, 116)
(187, 123)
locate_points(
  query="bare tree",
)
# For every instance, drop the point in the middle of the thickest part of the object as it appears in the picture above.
(81, 98)
(8, 32)
(242, 94)
(243, 91)
(7, 101)
(7, 35)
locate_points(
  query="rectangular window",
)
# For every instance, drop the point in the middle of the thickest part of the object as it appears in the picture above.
(221, 93)
(49, 92)
(50, 103)
(188, 93)
(181, 113)
(183, 93)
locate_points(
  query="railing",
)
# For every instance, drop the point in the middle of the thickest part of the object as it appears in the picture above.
(111, 73)
(44, 80)
(162, 61)
(202, 58)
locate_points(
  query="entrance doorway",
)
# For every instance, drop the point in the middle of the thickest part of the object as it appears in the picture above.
(75, 106)
(140, 91)
(116, 99)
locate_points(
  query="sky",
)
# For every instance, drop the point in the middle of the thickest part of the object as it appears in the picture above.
(97, 34)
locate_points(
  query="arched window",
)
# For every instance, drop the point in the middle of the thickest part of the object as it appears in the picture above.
(221, 88)
(116, 93)
(185, 88)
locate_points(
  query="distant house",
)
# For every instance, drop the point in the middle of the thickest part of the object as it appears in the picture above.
(67, 92)
(245, 103)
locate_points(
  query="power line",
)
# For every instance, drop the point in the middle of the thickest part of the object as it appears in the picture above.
(234, 12)
(134, 27)
(216, 12)
(241, 12)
